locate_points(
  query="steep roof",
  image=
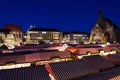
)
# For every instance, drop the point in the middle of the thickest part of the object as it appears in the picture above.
(65, 33)
(5, 30)
(3, 47)
(105, 22)
(12, 27)
(44, 29)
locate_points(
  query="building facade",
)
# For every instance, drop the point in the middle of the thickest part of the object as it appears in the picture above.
(11, 35)
(3, 35)
(38, 35)
(104, 31)
(76, 37)
(15, 35)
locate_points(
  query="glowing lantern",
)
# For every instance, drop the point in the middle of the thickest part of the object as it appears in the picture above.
(72, 49)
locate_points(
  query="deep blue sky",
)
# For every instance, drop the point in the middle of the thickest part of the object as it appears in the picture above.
(65, 15)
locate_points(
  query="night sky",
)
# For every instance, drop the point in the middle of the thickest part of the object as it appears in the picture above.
(64, 15)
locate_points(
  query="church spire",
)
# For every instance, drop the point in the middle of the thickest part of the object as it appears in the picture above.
(100, 13)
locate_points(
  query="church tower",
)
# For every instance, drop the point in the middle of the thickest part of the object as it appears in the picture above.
(104, 30)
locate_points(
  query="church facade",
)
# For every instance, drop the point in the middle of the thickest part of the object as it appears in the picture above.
(104, 30)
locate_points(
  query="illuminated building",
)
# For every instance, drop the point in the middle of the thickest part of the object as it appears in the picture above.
(104, 31)
(14, 37)
(15, 30)
(76, 37)
(38, 35)
(3, 35)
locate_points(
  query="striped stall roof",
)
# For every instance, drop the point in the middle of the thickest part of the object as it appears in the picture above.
(71, 69)
(29, 73)
(114, 58)
(44, 55)
(111, 74)
(98, 62)
(17, 59)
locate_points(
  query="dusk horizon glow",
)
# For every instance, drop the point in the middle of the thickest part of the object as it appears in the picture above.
(64, 15)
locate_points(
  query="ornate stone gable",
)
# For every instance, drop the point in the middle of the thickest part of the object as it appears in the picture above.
(97, 34)
(104, 31)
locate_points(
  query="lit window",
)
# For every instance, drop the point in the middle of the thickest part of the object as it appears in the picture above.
(44, 32)
(86, 37)
(55, 37)
(55, 34)
(83, 37)
(77, 35)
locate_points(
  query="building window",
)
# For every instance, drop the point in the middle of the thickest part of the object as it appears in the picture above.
(83, 37)
(55, 37)
(87, 38)
(43, 32)
(55, 34)
(77, 35)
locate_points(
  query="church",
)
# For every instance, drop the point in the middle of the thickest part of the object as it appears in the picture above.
(104, 30)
